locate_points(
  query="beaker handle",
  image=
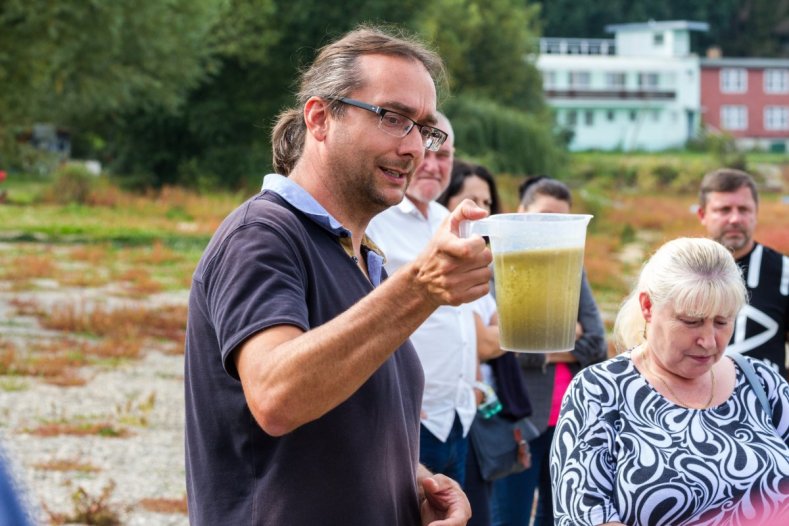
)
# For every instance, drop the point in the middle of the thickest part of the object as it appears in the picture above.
(467, 228)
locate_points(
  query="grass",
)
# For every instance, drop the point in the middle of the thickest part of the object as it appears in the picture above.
(96, 510)
(129, 322)
(79, 428)
(142, 245)
(162, 505)
(136, 412)
(67, 464)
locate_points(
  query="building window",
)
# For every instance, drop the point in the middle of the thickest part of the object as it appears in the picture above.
(549, 79)
(648, 80)
(589, 117)
(572, 118)
(580, 79)
(734, 117)
(615, 79)
(609, 114)
(776, 118)
(633, 115)
(657, 39)
(776, 80)
(734, 80)
(656, 115)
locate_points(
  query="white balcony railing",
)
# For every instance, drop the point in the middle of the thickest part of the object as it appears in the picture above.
(577, 46)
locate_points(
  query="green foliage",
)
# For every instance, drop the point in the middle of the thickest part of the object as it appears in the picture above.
(643, 173)
(739, 28)
(502, 138)
(67, 61)
(723, 146)
(489, 47)
(26, 159)
(185, 92)
(73, 184)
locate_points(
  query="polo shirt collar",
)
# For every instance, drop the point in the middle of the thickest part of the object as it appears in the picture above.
(303, 201)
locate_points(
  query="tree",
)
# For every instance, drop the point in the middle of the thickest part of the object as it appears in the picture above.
(86, 64)
(63, 60)
(489, 47)
(221, 136)
(741, 28)
(497, 105)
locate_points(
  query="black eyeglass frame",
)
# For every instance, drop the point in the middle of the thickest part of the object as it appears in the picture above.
(433, 137)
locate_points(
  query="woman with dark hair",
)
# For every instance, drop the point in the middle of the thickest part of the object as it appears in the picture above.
(547, 377)
(471, 181)
(498, 368)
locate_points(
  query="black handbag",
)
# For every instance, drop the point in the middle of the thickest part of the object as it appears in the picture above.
(498, 442)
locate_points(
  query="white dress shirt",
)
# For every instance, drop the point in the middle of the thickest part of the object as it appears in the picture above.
(485, 308)
(447, 341)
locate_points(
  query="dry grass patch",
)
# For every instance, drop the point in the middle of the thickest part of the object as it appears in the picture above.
(603, 271)
(29, 266)
(123, 323)
(669, 214)
(67, 464)
(83, 278)
(89, 509)
(66, 378)
(92, 254)
(55, 362)
(115, 348)
(136, 412)
(156, 255)
(59, 361)
(121, 335)
(165, 505)
(140, 283)
(26, 306)
(8, 358)
(79, 428)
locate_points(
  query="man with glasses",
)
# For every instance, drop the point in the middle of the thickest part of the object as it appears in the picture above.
(303, 392)
(446, 341)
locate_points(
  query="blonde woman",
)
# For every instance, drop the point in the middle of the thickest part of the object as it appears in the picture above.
(671, 432)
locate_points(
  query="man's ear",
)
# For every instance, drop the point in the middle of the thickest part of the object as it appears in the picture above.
(316, 117)
(700, 213)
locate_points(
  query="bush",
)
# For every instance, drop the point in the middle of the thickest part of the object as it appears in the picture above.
(504, 139)
(73, 184)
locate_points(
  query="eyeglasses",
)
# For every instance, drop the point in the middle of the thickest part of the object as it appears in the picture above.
(399, 125)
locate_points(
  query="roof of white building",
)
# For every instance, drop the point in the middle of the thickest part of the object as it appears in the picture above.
(742, 62)
(656, 25)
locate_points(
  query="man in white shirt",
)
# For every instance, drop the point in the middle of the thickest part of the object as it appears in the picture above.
(446, 341)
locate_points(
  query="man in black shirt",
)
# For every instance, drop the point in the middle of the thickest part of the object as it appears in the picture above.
(303, 392)
(728, 206)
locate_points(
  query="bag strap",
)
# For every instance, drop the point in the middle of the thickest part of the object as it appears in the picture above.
(750, 375)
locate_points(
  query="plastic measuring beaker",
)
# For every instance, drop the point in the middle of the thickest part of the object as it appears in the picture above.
(537, 266)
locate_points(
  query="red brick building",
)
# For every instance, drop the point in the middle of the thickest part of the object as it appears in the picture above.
(747, 98)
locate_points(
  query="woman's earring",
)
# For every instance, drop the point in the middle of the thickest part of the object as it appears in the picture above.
(645, 330)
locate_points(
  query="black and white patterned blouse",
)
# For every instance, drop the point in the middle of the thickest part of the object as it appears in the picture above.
(624, 453)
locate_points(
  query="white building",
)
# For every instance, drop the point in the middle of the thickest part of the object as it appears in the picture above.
(638, 91)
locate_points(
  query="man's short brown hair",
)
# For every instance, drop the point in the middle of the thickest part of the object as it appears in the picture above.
(336, 73)
(726, 180)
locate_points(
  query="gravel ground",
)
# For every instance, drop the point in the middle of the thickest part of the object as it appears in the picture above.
(147, 464)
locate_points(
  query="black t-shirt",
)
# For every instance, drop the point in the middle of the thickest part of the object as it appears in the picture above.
(760, 329)
(267, 265)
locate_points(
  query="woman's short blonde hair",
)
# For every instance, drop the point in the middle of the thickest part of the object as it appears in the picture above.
(696, 276)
